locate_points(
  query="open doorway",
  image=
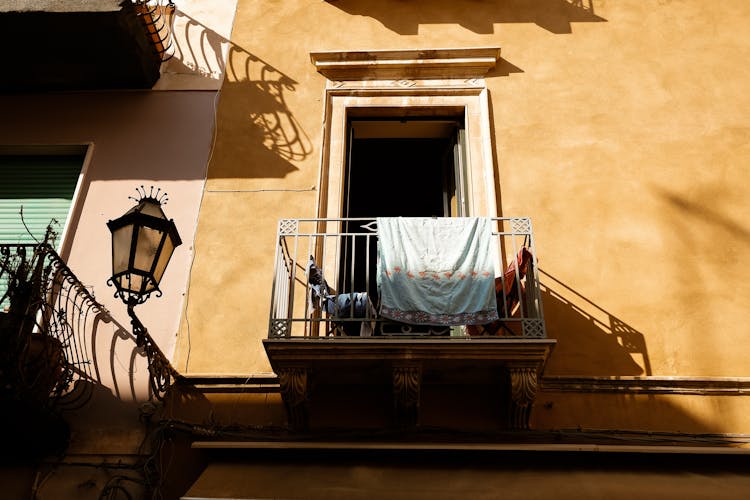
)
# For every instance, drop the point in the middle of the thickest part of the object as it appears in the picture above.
(407, 167)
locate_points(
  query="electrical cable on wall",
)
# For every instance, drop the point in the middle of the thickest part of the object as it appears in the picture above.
(197, 218)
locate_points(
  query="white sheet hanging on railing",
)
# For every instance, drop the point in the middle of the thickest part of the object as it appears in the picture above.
(437, 271)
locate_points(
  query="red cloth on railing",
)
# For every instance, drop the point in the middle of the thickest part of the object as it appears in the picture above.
(507, 289)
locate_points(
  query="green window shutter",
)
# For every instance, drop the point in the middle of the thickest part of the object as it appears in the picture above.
(43, 185)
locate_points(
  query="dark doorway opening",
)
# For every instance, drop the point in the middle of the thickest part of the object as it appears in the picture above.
(397, 168)
(396, 177)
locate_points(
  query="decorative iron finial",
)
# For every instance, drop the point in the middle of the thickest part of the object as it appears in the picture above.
(157, 196)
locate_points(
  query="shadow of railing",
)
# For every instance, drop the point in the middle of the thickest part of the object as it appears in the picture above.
(480, 17)
(591, 340)
(198, 49)
(262, 136)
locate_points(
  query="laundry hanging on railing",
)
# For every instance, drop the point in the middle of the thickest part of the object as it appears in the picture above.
(436, 271)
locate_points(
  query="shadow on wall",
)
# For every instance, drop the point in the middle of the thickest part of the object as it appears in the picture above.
(705, 242)
(479, 16)
(198, 49)
(258, 135)
(104, 380)
(631, 419)
(503, 68)
(703, 213)
(105, 357)
(591, 340)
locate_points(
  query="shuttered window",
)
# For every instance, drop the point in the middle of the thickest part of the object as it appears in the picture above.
(44, 186)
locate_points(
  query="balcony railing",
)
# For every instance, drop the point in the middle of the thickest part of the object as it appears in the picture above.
(156, 16)
(342, 253)
(52, 334)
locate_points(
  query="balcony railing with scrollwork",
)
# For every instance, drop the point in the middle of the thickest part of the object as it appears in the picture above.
(344, 253)
(156, 18)
(54, 333)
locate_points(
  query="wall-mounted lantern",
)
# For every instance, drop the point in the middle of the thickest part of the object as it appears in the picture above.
(143, 241)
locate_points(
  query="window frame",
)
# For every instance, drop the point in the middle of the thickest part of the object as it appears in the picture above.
(82, 150)
(470, 99)
(425, 81)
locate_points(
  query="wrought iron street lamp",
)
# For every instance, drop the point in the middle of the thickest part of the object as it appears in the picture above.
(143, 241)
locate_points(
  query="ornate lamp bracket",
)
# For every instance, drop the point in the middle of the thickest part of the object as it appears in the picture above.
(161, 372)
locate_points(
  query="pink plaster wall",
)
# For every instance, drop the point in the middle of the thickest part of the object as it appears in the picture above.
(150, 138)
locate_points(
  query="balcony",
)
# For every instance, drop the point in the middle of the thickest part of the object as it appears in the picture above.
(55, 350)
(83, 44)
(327, 334)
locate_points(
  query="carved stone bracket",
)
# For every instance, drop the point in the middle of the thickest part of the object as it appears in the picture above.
(524, 382)
(407, 380)
(403, 366)
(294, 386)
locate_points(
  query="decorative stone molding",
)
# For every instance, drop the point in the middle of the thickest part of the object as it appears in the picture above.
(699, 386)
(405, 65)
(406, 365)
(407, 380)
(523, 387)
(293, 384)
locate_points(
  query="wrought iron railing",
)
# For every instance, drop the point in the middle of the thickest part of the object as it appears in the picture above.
(53, 335)
(343, 253)
(156, 17)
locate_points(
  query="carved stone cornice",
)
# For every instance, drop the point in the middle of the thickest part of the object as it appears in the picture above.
(324, 350)
(404, 65)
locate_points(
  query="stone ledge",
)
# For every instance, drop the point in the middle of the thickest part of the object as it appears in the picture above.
(702, 386)
(406, 64)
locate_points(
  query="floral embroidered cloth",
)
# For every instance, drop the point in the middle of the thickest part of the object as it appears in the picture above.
(436, 271)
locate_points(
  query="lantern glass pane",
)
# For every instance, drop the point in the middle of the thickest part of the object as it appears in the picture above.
(121, 239)
(147, 246)
(166, 253)
(132, 283)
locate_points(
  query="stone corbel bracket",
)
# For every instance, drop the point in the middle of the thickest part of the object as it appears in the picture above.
(524, 382)
(410, 64)
(408, 364)
(294, 387)
(407, 382)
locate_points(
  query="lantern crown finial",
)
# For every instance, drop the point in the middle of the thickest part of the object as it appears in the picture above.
(154, 196)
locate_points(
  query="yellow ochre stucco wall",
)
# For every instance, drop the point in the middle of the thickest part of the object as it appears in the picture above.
(621, 128)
